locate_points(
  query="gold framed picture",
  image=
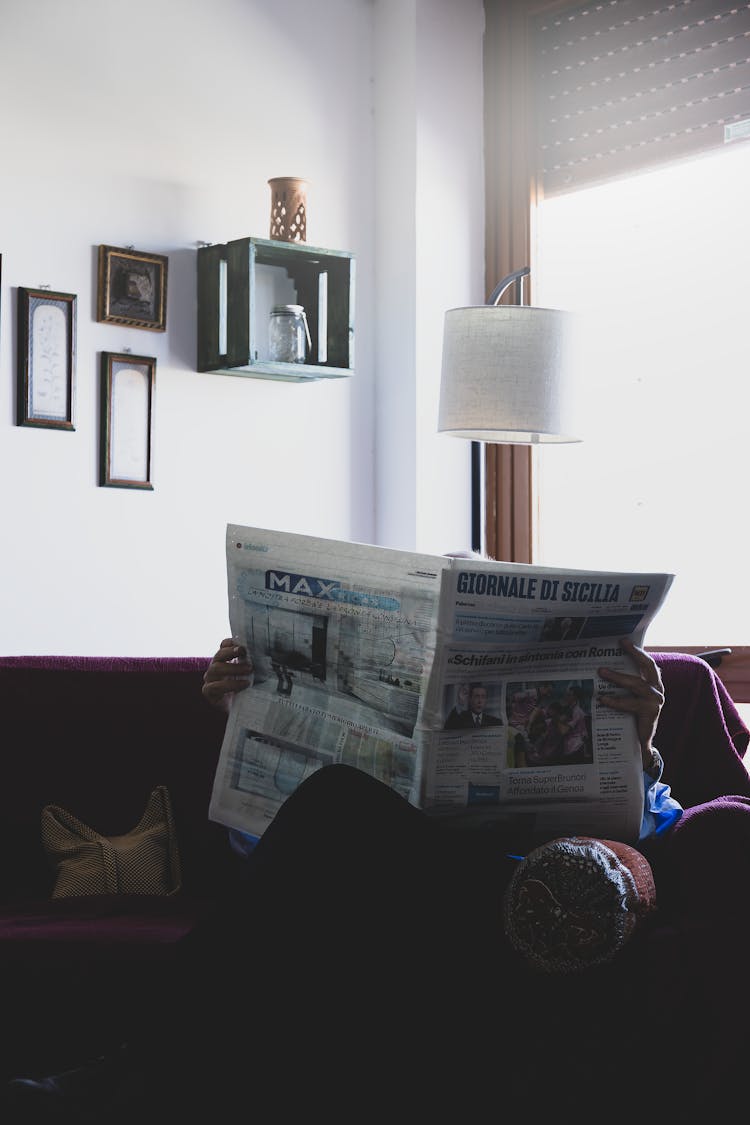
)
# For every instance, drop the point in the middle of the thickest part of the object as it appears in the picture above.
(132, 288)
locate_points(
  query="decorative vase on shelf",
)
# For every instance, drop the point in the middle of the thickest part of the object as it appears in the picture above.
(288, 209)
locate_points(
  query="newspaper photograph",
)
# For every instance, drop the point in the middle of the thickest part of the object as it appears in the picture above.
(468, 686)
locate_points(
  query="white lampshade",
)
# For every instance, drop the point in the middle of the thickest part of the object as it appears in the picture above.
(507, 374)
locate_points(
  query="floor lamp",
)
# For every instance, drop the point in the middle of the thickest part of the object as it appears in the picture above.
(506, 378)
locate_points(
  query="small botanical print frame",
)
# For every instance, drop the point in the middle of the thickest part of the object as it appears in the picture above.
(46, 359)
(127, 420)
(132, 288)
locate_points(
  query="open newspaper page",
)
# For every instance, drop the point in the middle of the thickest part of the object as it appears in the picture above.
(522, 644)
(342, 637)
(381, 658)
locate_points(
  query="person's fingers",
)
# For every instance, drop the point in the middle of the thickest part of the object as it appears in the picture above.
(623, 702)
(637, 695)
(230, 656)
(229, 671)
(220, 685)
(645, 663)
(225, 651)
(217, 691)
(229, 648)
(646, 683)
(634, 684)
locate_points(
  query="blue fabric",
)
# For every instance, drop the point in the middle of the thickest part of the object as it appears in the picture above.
(660, 809)
(242, 842)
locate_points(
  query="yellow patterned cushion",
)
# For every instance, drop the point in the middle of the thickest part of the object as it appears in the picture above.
(143, 861)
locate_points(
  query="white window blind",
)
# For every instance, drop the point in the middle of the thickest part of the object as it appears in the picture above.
(628, 84)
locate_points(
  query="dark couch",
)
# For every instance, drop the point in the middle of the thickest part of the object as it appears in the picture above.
(96, 735)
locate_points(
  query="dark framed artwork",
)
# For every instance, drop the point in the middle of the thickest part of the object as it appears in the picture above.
(46, 359)
(126, 420)
(132, 288)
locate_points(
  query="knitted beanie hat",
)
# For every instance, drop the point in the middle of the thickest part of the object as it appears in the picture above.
(575, 901)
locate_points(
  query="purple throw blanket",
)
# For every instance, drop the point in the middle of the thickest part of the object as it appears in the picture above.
(702, 865)
(700, 735)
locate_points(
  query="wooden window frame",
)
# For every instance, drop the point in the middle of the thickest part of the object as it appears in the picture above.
(511, 192)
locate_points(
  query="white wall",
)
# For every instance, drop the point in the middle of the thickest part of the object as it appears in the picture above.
(157, 124)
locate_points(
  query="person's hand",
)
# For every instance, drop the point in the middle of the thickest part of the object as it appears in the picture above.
(230, 671)
(644, 698)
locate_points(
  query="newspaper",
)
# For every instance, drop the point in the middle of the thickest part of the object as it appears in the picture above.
(379, 658)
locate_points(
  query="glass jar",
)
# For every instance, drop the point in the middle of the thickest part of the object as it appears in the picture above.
(287, 333)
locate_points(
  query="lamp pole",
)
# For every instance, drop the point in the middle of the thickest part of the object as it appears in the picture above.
(477, 447)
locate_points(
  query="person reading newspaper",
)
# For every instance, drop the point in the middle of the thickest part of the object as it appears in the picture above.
(355, 903)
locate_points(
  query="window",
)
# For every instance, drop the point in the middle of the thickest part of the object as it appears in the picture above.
(583, 95)
(657, 265)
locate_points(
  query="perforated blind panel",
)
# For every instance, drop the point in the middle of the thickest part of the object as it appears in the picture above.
(629, 84)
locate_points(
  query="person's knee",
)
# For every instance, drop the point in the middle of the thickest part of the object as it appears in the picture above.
(705, 859)
(335, 777)
(340, 786)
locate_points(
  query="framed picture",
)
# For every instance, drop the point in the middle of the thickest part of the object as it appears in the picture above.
(127, 420)
(46, 359)
(132, 288)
